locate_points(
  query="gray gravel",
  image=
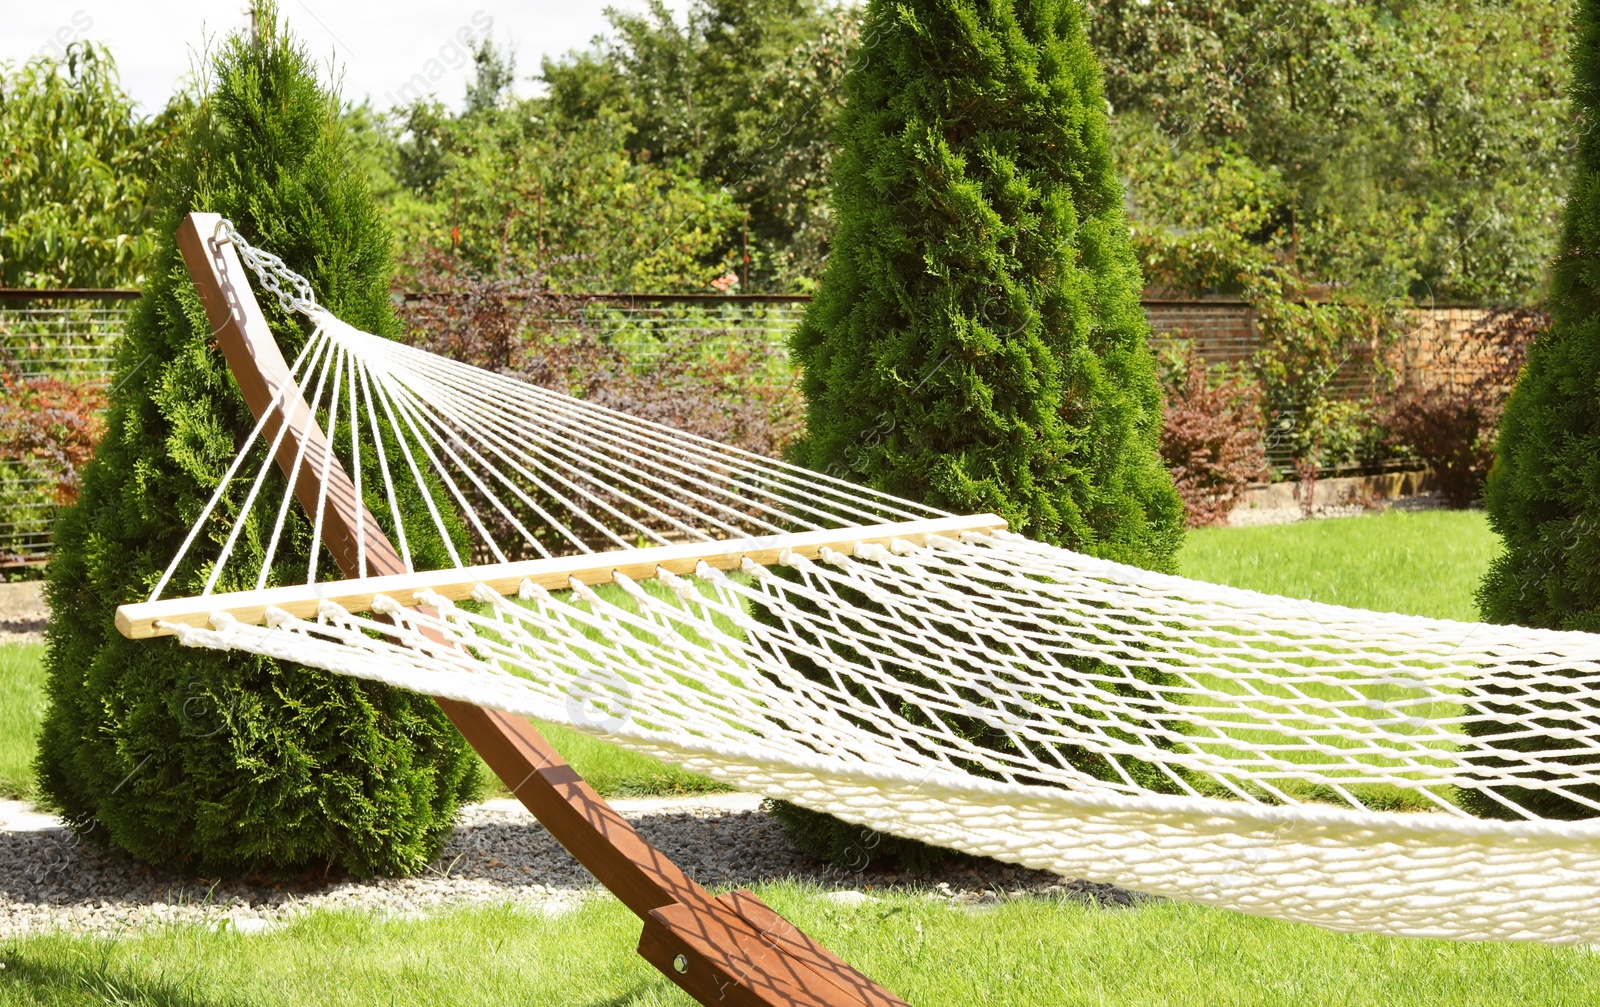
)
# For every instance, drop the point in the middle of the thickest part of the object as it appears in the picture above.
(499, 855)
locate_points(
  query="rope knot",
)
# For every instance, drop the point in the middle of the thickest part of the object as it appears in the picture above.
(327, 610)
(872, 552)
(529, 591)
(382, 604)
(679, 586)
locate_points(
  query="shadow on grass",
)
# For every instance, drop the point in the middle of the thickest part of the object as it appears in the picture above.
(642, 993)
(88, 980)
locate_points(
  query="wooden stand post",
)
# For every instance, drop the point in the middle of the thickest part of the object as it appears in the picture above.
(727, 950)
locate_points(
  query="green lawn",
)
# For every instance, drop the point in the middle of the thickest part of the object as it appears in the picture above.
(616, 772)
(21, 707)
(1420, 564)
(1029, 952)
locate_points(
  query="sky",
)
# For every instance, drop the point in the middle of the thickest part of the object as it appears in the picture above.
(381, 45)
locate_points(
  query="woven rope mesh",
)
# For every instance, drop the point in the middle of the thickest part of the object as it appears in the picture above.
(985, 693)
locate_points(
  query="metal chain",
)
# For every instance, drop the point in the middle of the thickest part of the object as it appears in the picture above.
(292, 290)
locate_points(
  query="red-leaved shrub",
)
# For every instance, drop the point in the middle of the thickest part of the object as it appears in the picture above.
(1448, 413)
(1212, 438)
(53, 424)
(734, 394)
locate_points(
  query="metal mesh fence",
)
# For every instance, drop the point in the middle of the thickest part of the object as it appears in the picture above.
(72, 337)
(46, 337)
(646, 329)
(70, 340)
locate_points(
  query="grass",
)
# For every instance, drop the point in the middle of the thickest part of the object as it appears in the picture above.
(1427, 563)
(616, 772)
(1419, 564)
(1033, 952)
(21, 709)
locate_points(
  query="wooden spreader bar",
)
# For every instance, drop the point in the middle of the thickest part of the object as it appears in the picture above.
(139, 621)
(727, 950)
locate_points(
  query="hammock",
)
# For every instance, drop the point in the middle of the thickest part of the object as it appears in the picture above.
(928, 675)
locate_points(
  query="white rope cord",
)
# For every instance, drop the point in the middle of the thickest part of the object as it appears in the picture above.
(288, 499)
(422, 417)
(387, 479)
(327, 463)
(355, 473)
(645, 443)
(521, 455)
(267, 466)
(655, 471)
(273, 408)
(990, 694)
(417, 478)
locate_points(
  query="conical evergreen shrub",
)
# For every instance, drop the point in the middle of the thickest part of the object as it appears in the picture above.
(978, 342)
(220, 763)
(1543, 493)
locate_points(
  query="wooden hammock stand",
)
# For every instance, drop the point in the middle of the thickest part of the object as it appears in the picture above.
(731, 949)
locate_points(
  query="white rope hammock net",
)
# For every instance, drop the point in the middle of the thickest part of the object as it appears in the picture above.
(1274, 756)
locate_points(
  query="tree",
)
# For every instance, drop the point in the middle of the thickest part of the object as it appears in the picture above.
(1410, 150)
(978, 341)
(77, 159)
(1541, 493)
(225, 763)
(744, 93)
(508, 189)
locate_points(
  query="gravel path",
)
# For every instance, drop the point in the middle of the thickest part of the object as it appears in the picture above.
(23, 612)
(49, 880)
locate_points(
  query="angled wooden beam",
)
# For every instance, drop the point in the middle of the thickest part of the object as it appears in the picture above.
(720, 951)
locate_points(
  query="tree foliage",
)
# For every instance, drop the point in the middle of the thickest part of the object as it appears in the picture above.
(744, 94)
(210, 762)
(511, 190)
(75, 161)
(1401, 149)
(978, 341)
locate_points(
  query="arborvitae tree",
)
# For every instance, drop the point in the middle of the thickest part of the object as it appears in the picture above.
(978, 342)
(1543, 493)
(198, 760)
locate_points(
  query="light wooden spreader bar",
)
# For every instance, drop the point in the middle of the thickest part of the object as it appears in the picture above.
(141, 621)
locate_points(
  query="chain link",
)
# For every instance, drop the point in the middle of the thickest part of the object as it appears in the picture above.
(292, 290)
